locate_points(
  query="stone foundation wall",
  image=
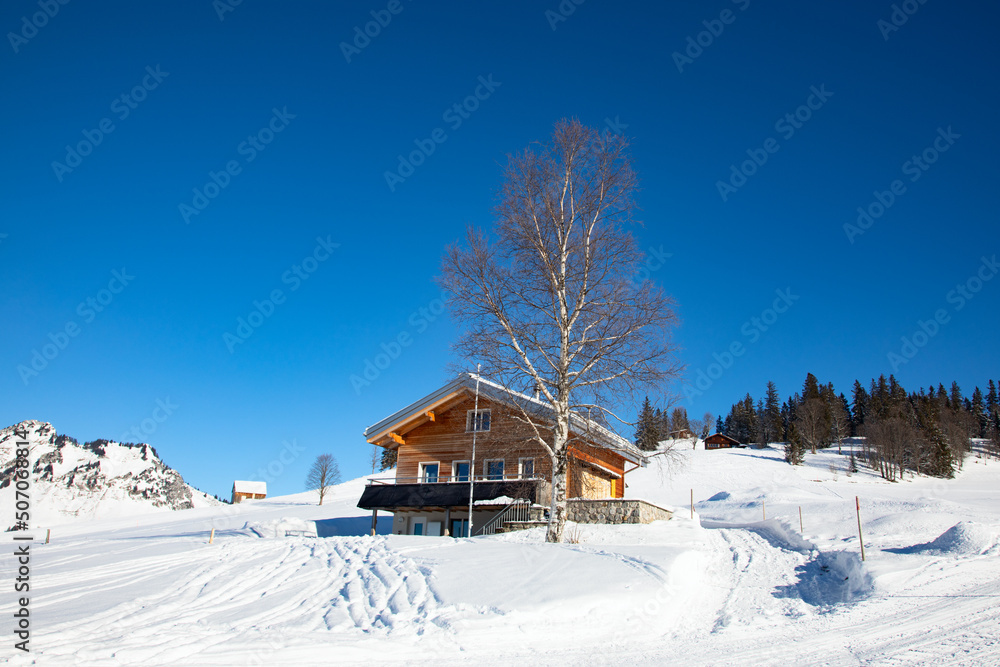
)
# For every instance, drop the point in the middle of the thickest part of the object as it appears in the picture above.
(614, 511)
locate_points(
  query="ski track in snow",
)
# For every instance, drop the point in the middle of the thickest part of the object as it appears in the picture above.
(344, 585)
(732, 590)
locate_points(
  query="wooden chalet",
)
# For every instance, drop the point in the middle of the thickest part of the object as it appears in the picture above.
(243, 490)
(433, 438)
(681, 434)
(720, 441)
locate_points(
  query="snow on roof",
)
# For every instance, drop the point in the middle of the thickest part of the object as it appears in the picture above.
(241, 486)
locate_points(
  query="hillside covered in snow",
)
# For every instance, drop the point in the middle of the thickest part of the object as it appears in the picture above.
(94, 480)
(725, 586)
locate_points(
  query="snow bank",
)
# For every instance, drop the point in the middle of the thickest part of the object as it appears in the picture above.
(283, 527)
(781, 534)
(965, 538)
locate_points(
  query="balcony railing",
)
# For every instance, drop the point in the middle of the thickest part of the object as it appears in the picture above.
(453, 479)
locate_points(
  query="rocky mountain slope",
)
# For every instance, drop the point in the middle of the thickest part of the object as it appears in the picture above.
(97, 479)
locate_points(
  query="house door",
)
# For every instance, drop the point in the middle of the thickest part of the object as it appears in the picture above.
(418, 526)
(595, 486)
(459, 527)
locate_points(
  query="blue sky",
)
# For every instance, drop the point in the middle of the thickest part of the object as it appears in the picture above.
(278, 140)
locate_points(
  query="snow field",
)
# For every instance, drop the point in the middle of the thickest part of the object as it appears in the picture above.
(724, 588)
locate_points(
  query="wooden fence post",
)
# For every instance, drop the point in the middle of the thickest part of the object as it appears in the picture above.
(801, 529)
(857, 507)
(211, 538)
(48, 535)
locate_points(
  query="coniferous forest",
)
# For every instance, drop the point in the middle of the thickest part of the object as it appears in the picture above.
(927, 431)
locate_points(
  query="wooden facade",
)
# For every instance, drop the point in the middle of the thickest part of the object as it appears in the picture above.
(433, 439)
(720, 441)
(248, 491)
(594, 472)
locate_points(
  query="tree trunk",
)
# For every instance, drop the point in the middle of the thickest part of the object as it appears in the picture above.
(560, 436)
(557, 517)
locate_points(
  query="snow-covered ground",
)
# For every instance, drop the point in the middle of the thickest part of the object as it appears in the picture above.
(728, 587)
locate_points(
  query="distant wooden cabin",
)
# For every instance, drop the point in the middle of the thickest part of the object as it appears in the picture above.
(719, 441)
(248, 491)
(682, 434)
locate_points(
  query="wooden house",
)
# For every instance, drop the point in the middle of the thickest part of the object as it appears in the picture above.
(437, 467)
(720, 441)
(243, 490)
(681, 434)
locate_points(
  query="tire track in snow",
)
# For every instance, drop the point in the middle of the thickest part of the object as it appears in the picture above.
(345, 586)
(756, 569)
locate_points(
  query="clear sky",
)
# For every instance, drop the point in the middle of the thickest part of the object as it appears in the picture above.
(171, 167)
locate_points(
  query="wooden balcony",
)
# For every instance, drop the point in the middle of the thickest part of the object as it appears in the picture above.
(391, 494)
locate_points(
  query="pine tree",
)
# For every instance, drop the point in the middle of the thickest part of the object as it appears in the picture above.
(389, 457)
(647, 429)
(663, 426)
(956, 397)
(679, 419)
(773, 426)
(719, 426)
(810, 389)
(979, 415)
(794, 448)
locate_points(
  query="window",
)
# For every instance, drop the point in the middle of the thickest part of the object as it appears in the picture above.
(477, 420)
(527, 468)
(460, 471)
(429, 472)
(494, 469)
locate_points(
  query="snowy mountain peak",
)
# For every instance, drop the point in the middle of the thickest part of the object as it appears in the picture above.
(94, 480)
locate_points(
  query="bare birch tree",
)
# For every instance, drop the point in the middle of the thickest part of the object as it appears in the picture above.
(548, 302)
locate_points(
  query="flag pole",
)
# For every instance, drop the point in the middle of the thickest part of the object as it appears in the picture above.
(472, 462)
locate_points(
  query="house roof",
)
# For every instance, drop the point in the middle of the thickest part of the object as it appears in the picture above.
(241, 486)
(466, 383)
(721, 435)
